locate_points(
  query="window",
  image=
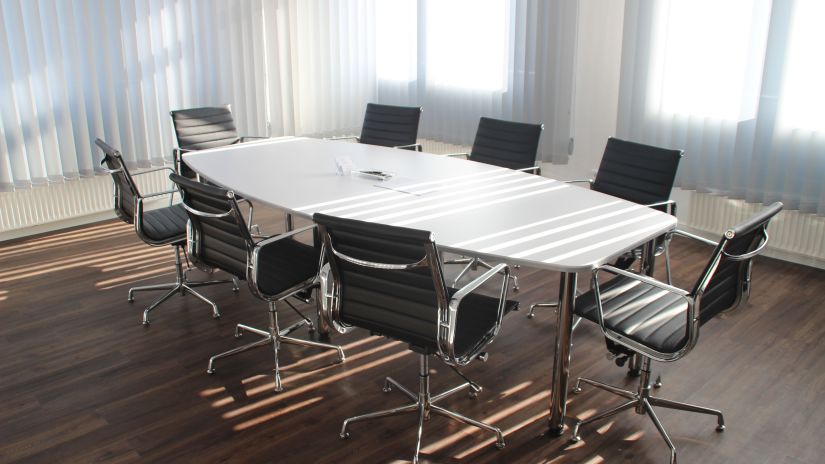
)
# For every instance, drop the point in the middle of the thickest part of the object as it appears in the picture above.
(708, 58)
(465, 43)
(395, 45)
(803, 94)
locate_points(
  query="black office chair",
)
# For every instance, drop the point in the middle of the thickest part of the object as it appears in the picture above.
(389, 126)
(207, 127)
(657, 321)
(642, 174)
(276, 268)
(388, 280)
(507, 144)
(202, 128)
(156, 227)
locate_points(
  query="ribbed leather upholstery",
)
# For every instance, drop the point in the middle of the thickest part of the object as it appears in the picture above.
(650, 316)
(126, 192)
(165, 225)
(506, 143)
(160, 226)
(206, 127)
(658, 319)
(636, 172)
(284, 264)
(225, 243)
(400, 304)
(390, 126)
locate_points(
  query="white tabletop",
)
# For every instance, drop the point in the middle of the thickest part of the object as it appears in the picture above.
(470, 207)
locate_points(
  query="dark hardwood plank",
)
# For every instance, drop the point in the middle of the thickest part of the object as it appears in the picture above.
(83, 381)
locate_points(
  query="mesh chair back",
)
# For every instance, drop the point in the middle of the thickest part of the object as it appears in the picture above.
(635, 172)
(506, 143)
(221, 241)
(206, 127)
(126, 191)
(729, 272)
(402, 304)
(390, 126)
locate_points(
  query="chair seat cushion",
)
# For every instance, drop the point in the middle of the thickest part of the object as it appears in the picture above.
(284, 264)
(165, 225)
(645, 314)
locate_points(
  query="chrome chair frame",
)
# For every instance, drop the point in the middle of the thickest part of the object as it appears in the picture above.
(423, 401)
(641, 401)
(182, 284)
(274, 335)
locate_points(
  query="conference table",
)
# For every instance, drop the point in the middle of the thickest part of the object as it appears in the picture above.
(471, 208)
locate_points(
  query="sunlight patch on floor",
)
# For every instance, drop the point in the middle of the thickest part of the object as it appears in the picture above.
(292, 392)
(275, 414)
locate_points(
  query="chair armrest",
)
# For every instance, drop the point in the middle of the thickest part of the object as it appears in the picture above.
(448, 319)
(165, 168)
(534, 169)
(466, 155)
(158, 194)
(694, 237)
(252, 266)
(345, 137)
(578, 181)
(692, 321)
(244, 138)
(644, 279)
(417, 146)
(285, 235)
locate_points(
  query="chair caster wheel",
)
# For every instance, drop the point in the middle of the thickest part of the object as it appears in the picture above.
(210, 371)
(145, 322)
(472, 394)
(720, 428)
(343, 436)
(130, 299)
(576, 390)
(216, 316)
(530, 315)
(500, 445)
(387, 389)
(575, 439)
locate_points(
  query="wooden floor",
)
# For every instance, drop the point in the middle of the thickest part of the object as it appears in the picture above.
(81, 380)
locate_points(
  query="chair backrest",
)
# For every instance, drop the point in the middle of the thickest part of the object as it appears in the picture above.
(390, 279)
(205, 127)
(725, 282)
(390, 126)
(636, 172)
(506, 143)
(217, 234)
(126, 192)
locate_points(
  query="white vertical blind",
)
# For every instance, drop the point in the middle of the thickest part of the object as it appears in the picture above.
(738, 86)
(72, 71)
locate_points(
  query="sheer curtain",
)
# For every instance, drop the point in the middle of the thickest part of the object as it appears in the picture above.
(738, 86)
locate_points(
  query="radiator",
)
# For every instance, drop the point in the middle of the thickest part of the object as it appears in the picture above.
(794, 236)
(42, 209)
